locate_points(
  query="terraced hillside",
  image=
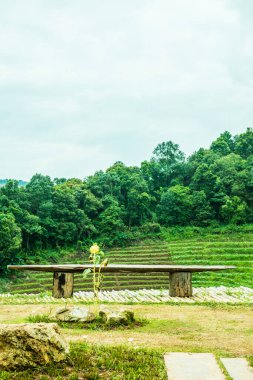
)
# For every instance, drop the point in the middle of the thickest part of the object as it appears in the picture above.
(36, 282)
(211, 251)
(237, 253)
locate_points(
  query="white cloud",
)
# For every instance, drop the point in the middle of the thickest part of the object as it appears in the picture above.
(54, 159)
(113, 79)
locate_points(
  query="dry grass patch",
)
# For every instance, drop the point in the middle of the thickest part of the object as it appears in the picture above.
(220, 329)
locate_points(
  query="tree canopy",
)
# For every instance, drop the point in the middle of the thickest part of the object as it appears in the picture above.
(211, 186)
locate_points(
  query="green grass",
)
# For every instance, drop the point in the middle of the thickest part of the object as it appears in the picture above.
(96, 325)
(209, 253)
(223, 330)
(92, 362)
(231, 245)
(38, 318)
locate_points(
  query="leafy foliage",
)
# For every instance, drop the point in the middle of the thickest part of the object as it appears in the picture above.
(10, 239)
(213, 186)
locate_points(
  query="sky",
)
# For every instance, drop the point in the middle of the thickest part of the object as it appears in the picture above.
(84, 84)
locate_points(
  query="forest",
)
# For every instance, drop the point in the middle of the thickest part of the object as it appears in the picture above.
(211, 187)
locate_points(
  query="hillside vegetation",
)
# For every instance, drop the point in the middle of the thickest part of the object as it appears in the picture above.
(212, 187)
(200, 248)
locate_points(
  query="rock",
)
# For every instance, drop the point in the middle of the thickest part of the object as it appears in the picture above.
(31, 344)
(74, 314)
(111, 317)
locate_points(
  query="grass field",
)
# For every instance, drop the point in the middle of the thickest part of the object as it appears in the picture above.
(222, 329)
(213, 249)
(90, 362)
(225, 331)
(208, 252)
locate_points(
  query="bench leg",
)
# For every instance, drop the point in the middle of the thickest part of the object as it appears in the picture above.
(181, 284)
(63, 285)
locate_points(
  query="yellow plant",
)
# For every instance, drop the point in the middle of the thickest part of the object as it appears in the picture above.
(98, 260)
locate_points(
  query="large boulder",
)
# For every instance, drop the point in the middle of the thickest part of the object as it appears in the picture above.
(31, 344)
(74, 314)
(112, 317)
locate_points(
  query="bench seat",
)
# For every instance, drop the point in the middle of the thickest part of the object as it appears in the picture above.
(180, 276)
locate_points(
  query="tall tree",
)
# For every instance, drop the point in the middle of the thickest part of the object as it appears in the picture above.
(224, 144)
(168, 155)
(10, 240)
(175, 206)
(244, 144)
(234, 210)
(39, 190)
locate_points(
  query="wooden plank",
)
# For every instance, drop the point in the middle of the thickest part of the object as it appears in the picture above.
(181, 284)
(63, 285)
(75, 268)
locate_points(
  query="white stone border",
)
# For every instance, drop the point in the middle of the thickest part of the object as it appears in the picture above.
(219, 294)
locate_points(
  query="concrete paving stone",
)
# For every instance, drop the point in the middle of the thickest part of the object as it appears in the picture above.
(188, 366)
(238, 368)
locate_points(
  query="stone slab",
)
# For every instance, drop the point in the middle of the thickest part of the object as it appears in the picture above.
(238, 368)
(182, 366)
(114, 268)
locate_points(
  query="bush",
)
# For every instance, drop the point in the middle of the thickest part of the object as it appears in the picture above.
(192, 232)
(151, 228)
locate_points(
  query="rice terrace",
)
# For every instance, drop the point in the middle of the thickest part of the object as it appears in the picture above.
(217, 319)
(131, 272)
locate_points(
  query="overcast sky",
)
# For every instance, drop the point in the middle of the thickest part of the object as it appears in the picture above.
(86, 83)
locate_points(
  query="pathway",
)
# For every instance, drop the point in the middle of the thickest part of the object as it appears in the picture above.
(219, 294)
(199, 366)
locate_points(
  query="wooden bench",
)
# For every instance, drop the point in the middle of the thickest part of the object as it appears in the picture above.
(180, 276)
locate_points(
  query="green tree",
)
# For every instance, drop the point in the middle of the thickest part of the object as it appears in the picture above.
(138, 207)
(202, 212)
(234, 210)
(110, 221)
(175, 207)
(244, 144)
(11, 189)
(231, 170)
(27, 222)
(249, 188)
(68, 219)
(168, 153)
(10, 240)
(39, 190)
(84, 198)
(224, 144)
(168, 156)
(204, 179)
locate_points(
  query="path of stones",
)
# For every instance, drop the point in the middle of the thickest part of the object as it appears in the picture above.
(182, 366)
(219, 294)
